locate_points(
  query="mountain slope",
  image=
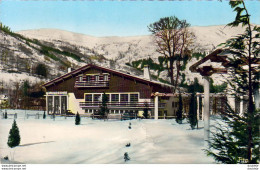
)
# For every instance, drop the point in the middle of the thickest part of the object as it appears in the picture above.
(58, 49)
(135, 47)
(20, 57)
(124, 50)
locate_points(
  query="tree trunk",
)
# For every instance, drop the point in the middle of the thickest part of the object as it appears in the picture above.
(171, 72)
(250, 104)
(178, 74)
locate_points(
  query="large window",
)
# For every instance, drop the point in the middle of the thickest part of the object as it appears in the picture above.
(56, 104)
(63, 104)
(133, 97)
(88, 97)
(124, 97)
(97, 97)
(115, 97)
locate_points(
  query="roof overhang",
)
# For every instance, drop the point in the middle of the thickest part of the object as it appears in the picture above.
(84, 68)
(218, 56)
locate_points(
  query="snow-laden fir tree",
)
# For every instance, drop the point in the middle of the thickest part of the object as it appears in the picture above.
(14, 136)
(77, 119)
(179, 112)
(236, 139)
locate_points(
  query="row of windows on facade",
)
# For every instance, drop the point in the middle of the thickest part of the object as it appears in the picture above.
(122, 111)
(103, 77)
(112, 97)
(57, 104)
(112, 111)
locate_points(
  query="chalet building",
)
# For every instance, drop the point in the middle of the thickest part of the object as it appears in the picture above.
(81, 91)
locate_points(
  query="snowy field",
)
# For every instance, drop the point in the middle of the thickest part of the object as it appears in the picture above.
(97, 141)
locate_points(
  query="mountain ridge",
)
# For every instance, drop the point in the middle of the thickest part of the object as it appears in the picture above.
(207, 39)
(59, 49)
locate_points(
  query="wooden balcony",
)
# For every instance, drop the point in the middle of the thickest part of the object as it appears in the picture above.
(120, 105)
(80, 84)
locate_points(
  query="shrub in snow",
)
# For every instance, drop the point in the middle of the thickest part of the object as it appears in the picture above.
(6, 158)
(192, 117)
(126, 157)
(44, 115)
(128, 145)
(77, 119)
(14, 136)
(179, 111)
(145, 114)
(5, 115)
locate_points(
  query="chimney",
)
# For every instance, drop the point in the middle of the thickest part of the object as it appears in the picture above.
(147, 74)
(112, 64)
(69, 69)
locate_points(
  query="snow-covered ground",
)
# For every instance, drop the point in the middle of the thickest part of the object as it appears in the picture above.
(97, 141)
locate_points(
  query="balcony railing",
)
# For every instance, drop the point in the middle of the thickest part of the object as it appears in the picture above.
(91, 83)
(89, 105)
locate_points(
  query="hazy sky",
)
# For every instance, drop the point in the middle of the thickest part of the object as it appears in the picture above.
(115, 18)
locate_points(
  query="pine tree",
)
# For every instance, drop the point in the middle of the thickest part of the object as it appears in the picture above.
(14, 136)
(236, 140)
(193, 112)
(77, 119)
(179, 111)
(44, 115)
(103, 111)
